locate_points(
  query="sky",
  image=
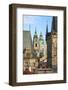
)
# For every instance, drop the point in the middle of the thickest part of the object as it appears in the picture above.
(38, 23)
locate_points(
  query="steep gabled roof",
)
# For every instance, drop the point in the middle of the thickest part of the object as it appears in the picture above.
(27, 41)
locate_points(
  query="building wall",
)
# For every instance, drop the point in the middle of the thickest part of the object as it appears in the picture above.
(52, 50)
(49, 51)
(30, 63)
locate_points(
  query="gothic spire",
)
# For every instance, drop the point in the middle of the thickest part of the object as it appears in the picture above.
(54, 24)
(46, 29)
(46, 33)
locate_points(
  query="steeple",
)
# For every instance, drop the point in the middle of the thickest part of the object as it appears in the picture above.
(40, 33)
(35, 41)
(35, 34)
(54, 24)
(41, 36)
(46, 33)
(46, 29)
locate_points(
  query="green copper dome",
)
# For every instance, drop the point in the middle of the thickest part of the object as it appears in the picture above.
(41, 40)
(41, 36)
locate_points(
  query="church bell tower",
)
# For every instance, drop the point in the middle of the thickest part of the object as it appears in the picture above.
(35, 41)
(35, 45)
(41, 45)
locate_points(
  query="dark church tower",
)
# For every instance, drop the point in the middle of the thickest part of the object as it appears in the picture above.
(51, 38)
(54, 43)
(49, 48)
(54, 24)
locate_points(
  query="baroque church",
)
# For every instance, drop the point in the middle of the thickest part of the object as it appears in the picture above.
(38, 45)
(37, 53)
